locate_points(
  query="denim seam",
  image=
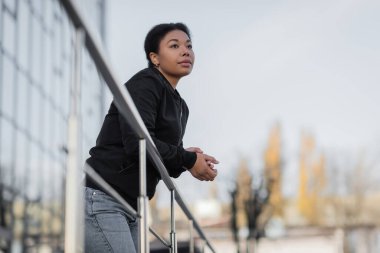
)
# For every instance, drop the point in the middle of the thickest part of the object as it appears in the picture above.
(100, 230)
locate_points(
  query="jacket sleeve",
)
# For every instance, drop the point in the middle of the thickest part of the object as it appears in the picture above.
(146, 93)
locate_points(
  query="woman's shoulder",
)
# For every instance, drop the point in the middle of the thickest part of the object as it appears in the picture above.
(146, 76)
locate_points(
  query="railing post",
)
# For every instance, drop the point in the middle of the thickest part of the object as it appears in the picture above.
(74, 213)
(143, 202)
(191, 240)
(173, 239)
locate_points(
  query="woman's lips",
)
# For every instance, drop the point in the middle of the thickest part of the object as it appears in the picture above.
(185, 63)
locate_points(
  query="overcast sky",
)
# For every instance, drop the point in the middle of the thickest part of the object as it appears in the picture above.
(309, 65)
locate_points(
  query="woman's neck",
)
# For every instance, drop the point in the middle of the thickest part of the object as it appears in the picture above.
(173, 81)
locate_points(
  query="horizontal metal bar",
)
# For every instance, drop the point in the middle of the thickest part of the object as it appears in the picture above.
(109, 190)
(159, 238)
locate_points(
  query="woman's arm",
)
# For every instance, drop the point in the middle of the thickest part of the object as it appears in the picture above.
(146, 93)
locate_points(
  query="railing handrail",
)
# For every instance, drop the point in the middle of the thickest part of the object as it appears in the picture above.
(126, 107)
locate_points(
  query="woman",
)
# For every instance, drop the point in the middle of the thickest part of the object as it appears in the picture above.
(170, 56)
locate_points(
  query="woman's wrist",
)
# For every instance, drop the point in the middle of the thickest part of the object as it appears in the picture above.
(189, 159)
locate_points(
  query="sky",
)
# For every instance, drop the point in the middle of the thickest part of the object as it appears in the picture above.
(309, 65)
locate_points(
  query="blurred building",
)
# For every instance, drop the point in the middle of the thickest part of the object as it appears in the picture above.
(36, 66)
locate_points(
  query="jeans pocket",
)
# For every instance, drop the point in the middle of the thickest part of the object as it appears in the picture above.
(114, 227)
(112, 222)
(132, 221)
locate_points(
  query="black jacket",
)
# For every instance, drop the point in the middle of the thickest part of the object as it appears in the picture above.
(165, 113)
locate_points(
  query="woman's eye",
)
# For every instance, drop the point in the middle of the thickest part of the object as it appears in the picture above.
(190, 46)
(174, 46)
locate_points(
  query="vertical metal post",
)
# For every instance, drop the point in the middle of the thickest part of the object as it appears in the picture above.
(191, 240)
(74, 214)
(203, 246)
(253, 245)
(173, 239)
(143, 202)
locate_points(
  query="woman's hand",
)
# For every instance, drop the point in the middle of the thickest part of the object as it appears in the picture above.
(209, 159)
(203, 168)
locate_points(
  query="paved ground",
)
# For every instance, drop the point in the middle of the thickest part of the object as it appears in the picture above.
(310, 244)
(315, 244)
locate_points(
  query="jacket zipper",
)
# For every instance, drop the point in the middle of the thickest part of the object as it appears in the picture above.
(180, 121)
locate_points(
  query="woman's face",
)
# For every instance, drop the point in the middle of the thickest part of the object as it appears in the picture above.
(175, 57)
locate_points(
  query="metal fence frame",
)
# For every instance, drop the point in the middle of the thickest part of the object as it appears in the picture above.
(74, 190)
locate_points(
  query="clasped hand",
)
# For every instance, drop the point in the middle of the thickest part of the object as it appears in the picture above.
(203, 168)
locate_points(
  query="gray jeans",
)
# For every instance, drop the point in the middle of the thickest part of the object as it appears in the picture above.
(108, 228)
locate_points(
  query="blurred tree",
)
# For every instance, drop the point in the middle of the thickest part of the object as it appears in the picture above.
(312, 180)
(254, 208)
(234, 226)
(354, 186)
(244, 189)
(273, 170)
(247, 208)
(240, 197)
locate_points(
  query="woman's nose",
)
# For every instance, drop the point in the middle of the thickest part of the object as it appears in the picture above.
(186, 51)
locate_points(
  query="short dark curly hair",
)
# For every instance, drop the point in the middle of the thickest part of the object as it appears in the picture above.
(157, 33)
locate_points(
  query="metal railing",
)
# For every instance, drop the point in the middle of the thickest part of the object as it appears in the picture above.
(125, 105)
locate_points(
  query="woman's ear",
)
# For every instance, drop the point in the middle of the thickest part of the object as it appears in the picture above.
(154, 59)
